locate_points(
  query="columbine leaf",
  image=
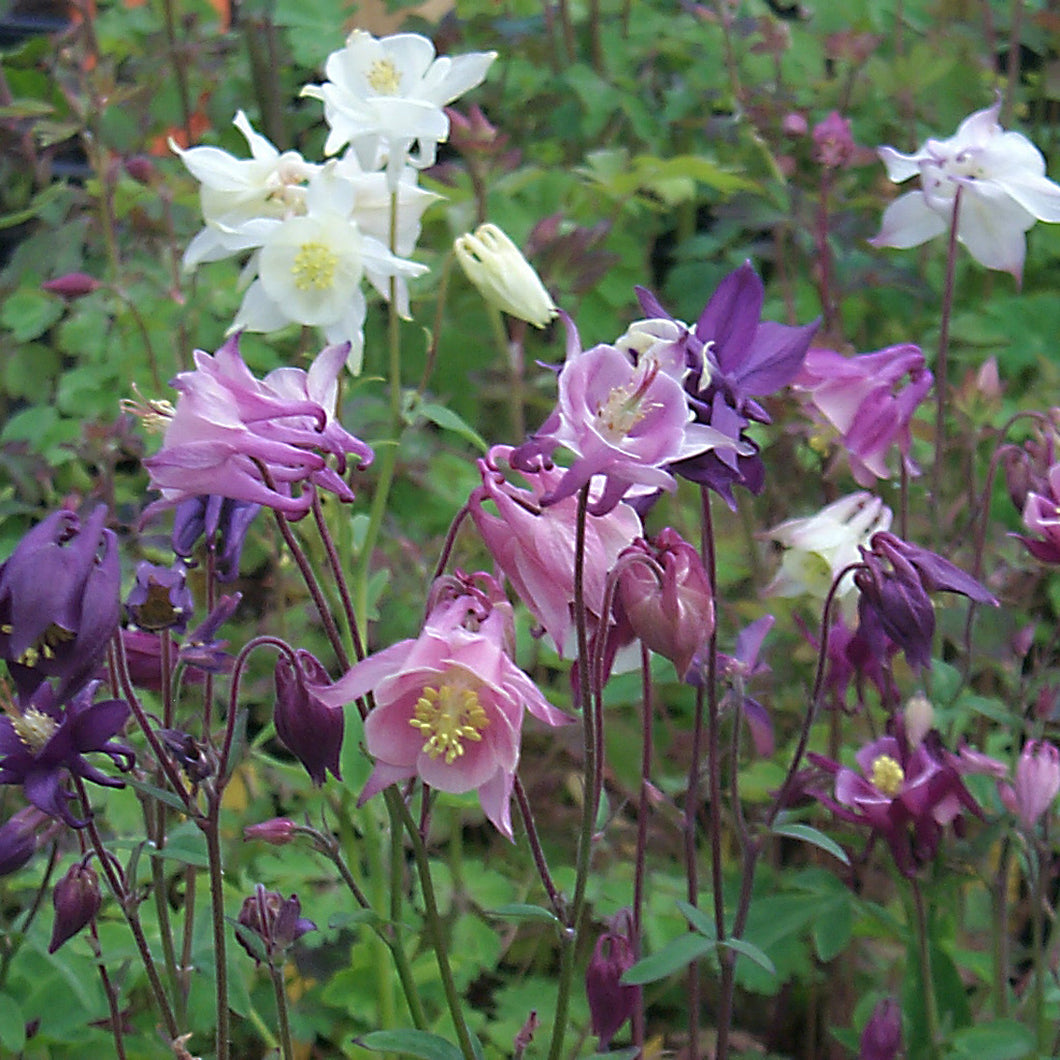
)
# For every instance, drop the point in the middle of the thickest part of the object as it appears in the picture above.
(812, 836)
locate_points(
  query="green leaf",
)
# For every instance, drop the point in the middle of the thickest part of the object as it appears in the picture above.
(12, 1024)
(29, 313)
(671, 958)
(699, 920)
(411, 1043)
(520, 911)
(751, 951)
(1000, 1039)
(813, 837)
(448, 420)
(168, 797)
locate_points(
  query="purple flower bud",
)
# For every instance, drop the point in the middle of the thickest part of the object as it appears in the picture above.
(279, 831)
(141, 169)
(673, 614)
(882, 1037)
(834, 141)
(59, 625)
(77, 900)
(308, 728)
(160, 599)
(275, 921)
(611, 1002)
(18, 838)
(71, 285)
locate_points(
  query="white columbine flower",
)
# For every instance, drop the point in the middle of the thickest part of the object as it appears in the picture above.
(817, 548)
(235, 190)
(496, 266)
(309, 267)
(382, 95)
(1003, 191)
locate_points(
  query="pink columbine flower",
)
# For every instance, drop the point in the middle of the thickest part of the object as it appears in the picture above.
(1037, 782)
(1041, 515)
(449, 704)
(864, 400)
(234, 435)
(534, 545)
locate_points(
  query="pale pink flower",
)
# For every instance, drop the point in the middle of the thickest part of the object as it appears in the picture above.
(449, 704)
(1037, 782)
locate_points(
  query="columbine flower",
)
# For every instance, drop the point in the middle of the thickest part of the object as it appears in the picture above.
(59, 601)
(820, 546)
(383, 95)
(534, 544)
(449, 705)
(611, 1002)
(734, 357)
(44, 742)
(496, 266)
(230, 429)
(76, 899)
(1041, 516)
(1037, 782)
(860, 398)
(20, 836)
(309, 267)
(882, 1037)
(1001, 177)
(311, 730)
(269, 924)
(223, 523)
(160, 599)
(833, 141)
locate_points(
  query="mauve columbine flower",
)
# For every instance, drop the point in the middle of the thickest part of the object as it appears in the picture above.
(734, 357)
(1041, 516)
(59, 601)
(864, 400)
(160, 599)
(611, 1002)
(43, 743)
(533, 544)
(833, 141)
(309, 728)
(1003, 186)
(270, 924)
(234, 435)
(882, 1037)
(449, 704)
(222, 522)
(76, 899)
(1036, 783)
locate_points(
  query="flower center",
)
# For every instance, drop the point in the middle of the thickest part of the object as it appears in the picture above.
(384, 77)
(34, 728)
(314, 266)
(887, 776)
(45, 647)
(624, 407)
(153, 413)
(446, 716)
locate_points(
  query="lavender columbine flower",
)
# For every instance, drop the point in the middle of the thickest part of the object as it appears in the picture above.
(1036, 784)
(224, 524)
(59, 602)
(860, 398)
(310, 729)
(734, 357)
(160, 599)
(250, 439)
(45, 743)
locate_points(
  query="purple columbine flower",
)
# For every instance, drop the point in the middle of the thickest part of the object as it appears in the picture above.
(59, 602)
(611, 1002)
(271, 924)
(1041, 516)
(20, 838)
(894, 585)
(248, 439)
(734, 358)
(201, 648)
(863, 400)
(44, 743)
(224, 524)
(160, 599)
(882, 1037)
(310, 729)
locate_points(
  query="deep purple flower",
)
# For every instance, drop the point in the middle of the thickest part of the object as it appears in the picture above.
(59, 602)
(250, 439)
(894, 586)
(43, 744)
(736, 670)
(77, 900)
(20, 838)
(611, 1002)
(277, 923)
(734, 358)
(862, 398)
(882, 1037)
(222, 521)
(310, 729)
(903, 794)
(160, 599)
(201, 648)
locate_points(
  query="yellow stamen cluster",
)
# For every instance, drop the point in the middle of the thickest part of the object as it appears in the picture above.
(314, 266)
(33, 727)
(621, 412)
(45, 647)
(446, 716)
(153, 413)
(384, 77)
(887, 776)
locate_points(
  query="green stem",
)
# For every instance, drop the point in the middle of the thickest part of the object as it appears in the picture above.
(213, 850)
(286, 1045)
(931, 1019)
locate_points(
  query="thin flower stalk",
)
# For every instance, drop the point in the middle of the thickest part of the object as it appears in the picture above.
(643, 816)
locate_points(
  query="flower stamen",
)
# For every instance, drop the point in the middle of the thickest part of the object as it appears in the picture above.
(448, 715)
(383, 77)
(314, 266)
(887, 776)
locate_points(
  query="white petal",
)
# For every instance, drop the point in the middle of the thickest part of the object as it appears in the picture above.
(899, 167)
(978, 128)
(991, 226)
(260, 147)
(908, 222)
(259, 312)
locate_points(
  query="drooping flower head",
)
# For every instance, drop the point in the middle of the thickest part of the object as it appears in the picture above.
(1037, 782)
(734, 358)
(311, 730)
(882, 1037)
(449, 704)
(533, 543)
(1003, 186)
(59, 601)
(230, 428)
(385, 94)
(44, 742)
(222, 522)
(611, 1002)
(76, 899)
(863, 399)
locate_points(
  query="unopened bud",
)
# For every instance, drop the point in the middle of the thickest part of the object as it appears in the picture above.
(496, 266)
(919, 717)
(882, 1037)
(77, 900)
(72, 285)
(279, 831)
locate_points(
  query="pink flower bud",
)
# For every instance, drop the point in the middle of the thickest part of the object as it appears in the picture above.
(279, 831)
(141, 169)
(72, 285)
(794, 124)
(882, 1037)
(672, 614)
